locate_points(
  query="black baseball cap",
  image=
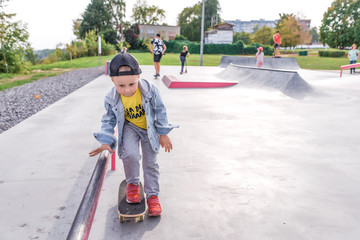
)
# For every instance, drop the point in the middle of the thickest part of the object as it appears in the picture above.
(124, 59)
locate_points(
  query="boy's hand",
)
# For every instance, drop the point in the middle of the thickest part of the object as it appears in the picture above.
(165, 142)
(100, 149)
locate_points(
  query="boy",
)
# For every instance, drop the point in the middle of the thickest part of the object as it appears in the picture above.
(277, 42)
(158, 48)
(135, 105)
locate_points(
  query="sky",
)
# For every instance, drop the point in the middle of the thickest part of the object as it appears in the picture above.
(49, 22)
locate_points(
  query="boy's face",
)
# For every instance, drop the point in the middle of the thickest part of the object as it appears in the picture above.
(126, 85)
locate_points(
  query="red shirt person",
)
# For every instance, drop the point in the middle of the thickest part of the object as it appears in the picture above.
(277, 42)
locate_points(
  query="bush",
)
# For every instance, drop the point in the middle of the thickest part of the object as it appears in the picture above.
(330, 53)
(229, 49)
(180, 38)
(139, 44)
(107, 48)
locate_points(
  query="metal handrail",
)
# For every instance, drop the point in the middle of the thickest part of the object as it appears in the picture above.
(81, 226)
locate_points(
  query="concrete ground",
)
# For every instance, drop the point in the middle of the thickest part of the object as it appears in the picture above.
(247, 163)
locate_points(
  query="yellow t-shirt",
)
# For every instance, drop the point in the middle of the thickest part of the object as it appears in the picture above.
(134, 111)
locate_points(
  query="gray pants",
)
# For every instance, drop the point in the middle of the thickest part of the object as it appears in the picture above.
(132, 136)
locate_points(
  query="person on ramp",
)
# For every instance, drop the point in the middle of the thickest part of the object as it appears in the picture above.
(135, 106)
(277, 43)
(260, 57)
(158, 48)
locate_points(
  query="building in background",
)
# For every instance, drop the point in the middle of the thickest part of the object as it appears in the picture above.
(220, 33)
(305, 24)
(167, 32)
(248, 26)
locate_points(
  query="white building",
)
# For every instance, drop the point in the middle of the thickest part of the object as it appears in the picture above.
(167, 32)
(248, 26)
(221, 33)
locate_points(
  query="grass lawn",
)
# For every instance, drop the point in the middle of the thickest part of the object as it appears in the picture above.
(321, 63)
(312, 61)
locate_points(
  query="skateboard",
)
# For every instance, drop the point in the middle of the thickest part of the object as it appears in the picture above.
(130, 212)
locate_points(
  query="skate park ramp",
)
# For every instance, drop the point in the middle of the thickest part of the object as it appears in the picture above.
(269, 62)
(288, 82)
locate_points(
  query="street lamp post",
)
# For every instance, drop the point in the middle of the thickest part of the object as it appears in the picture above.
(202, 32)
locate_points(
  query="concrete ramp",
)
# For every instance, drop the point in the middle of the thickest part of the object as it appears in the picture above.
(288, 82)
(269, 62)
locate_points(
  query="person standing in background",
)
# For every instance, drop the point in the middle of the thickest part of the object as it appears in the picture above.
(183, 55)
(158, 48)
(353, 56)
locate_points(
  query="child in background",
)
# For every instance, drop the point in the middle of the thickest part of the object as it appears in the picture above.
(259, 57)
(135, 106)
(184, 53)
(353, 56)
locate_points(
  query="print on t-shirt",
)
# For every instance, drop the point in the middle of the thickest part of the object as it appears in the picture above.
(158, 45)
(134, 113)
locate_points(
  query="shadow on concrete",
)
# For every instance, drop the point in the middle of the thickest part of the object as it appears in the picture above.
(128, 230)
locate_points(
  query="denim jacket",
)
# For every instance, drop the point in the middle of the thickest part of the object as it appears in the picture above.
(155, 113)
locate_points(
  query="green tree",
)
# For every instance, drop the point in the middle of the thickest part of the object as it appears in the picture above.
(189, 21)
(96, 17)
(117, 9)
(76, 27)
(212, 16)
(77, 49)
(290, 30)
(91, 43)
(110, 36)
(243, 36)
(264, 35)
(145, 14)
(30, 55)
(13, 43)
(314, 34)
(341, 24)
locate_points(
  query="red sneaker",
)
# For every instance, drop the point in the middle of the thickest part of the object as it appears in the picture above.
(133, 193)
(154, 206)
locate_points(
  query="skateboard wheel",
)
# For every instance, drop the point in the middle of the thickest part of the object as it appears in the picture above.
(142, 218)
(122, 219)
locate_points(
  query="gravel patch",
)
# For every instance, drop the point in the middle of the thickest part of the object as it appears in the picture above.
(19, 103)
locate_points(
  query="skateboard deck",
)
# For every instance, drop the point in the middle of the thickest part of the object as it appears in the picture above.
(130, 212)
